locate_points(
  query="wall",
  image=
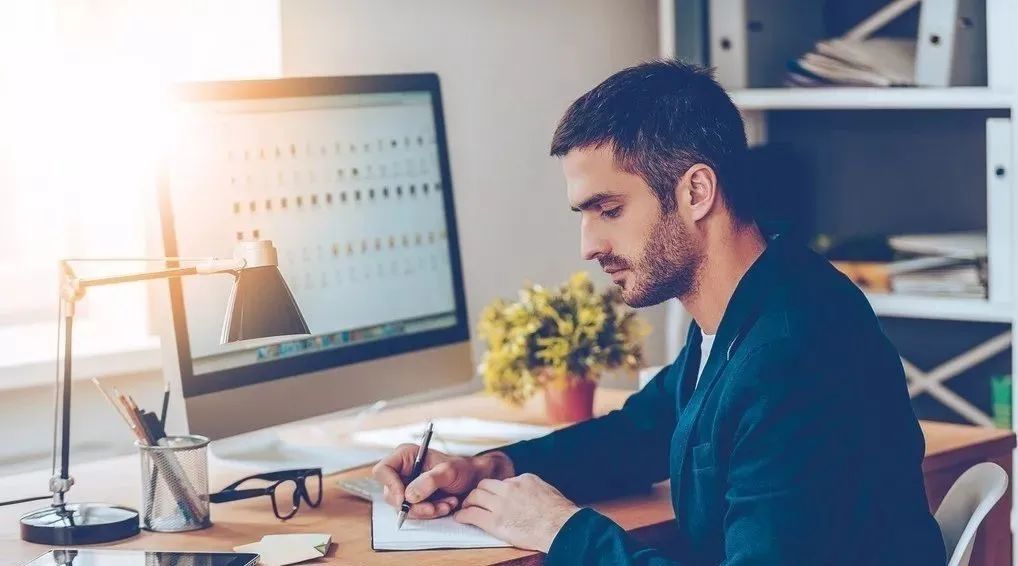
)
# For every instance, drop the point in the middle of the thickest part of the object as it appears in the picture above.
(26, 419)
(117, 53)
(508, 70)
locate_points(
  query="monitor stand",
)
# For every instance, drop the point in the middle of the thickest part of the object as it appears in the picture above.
(272, 449)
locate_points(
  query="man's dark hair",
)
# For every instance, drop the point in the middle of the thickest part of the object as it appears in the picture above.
(660, 118)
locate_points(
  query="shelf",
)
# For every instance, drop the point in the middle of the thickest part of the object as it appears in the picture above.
(940, 308)
(861, 98)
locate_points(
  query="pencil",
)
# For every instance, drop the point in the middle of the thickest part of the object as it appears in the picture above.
(139, 432)
(111, 402)
(131, 404)
(166, 404)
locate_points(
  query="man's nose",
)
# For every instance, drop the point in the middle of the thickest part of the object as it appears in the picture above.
(591, 244)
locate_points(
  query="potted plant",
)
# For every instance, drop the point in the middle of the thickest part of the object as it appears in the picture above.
(559, 341)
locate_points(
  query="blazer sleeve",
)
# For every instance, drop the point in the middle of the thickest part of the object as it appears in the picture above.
(591, 538)
(622, 452)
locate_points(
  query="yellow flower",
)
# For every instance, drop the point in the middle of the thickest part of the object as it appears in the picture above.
(550, 334)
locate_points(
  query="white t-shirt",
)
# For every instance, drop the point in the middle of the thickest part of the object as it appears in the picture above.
(706, 342)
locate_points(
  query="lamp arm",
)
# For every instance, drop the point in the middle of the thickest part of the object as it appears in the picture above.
(72, 289)
(206, 267)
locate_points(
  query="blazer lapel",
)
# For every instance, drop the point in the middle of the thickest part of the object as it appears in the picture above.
(688, 365)
(687, 419)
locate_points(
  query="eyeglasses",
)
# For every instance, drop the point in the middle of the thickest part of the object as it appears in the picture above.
(287, 489)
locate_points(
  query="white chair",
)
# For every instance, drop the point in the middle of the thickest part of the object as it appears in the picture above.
(966, 505)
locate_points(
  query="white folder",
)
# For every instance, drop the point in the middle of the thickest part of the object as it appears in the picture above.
(751, 41)
(1001, 44)
(728, 42)
(999, 204)
(951, 48)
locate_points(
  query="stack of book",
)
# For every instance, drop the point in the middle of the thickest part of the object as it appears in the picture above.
(944, 265)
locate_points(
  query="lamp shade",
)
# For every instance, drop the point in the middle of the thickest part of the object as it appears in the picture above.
(261, 304)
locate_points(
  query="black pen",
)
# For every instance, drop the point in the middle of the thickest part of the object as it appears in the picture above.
(422, 453)
(166, 404)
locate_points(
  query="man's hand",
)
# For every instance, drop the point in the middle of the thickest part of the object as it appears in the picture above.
(524, 511)
(443, 481)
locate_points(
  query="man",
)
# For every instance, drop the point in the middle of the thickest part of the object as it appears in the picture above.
(784, 425)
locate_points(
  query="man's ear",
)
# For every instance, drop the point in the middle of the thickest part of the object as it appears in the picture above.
(701, 190)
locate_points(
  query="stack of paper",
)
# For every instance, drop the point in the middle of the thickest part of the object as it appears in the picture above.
(878, 61)
(280, 550)
(461, 436)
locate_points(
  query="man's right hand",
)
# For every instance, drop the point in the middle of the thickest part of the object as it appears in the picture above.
(443, 482)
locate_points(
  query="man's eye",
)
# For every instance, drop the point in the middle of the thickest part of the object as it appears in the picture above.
(612, 212)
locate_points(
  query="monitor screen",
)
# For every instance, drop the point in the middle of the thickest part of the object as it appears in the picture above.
(349, 179)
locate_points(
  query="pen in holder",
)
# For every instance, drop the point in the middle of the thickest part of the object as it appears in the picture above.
(175, 484)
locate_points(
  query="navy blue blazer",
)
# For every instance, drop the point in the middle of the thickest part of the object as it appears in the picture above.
(798, 446)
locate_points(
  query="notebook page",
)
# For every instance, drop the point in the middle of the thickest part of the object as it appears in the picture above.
(445, 532)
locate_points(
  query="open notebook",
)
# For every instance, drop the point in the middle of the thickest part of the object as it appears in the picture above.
(415, 535)
(419, 535)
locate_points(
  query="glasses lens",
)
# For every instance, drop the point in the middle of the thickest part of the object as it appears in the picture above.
(286, 499)
(313, 489)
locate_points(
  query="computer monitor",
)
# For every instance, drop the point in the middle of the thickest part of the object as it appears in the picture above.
(349, 178)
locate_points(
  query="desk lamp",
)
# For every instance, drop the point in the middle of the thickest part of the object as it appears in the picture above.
(260, 306)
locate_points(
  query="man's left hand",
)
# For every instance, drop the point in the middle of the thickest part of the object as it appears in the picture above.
(524, 511)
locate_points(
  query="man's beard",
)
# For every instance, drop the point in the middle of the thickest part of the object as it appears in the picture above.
(667, 269)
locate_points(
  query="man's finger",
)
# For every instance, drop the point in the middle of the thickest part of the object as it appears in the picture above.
(498, 487)
(481, 498)
(451, 500)
(391, 482)
(401, 459)
(442, 509)
(433, 509)
(422, 510)
(477, 517)
(429, 482)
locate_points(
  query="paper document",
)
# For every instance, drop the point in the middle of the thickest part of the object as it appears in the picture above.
(460, 435)
(956, 244)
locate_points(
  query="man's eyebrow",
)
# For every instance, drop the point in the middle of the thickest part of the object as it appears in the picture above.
(593, 200)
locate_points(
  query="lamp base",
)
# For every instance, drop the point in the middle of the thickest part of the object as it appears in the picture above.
(72, 524)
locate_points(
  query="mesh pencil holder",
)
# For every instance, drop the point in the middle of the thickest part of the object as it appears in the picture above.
(175, 484)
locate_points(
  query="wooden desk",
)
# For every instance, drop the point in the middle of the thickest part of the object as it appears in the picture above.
(950, 448)
(347, 518)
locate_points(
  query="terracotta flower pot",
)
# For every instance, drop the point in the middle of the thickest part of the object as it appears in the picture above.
(570, 402)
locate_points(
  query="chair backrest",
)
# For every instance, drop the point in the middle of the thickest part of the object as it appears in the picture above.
(966, 505)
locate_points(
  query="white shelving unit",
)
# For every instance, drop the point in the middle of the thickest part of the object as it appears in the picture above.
(940, 308)
(860, 98)
(1002, 219)
(1002, 208)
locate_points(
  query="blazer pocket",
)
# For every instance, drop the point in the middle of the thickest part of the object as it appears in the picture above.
(703, 457)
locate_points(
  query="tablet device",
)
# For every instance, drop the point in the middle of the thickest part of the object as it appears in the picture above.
(142, 558)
